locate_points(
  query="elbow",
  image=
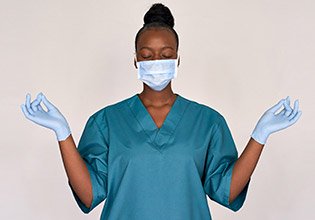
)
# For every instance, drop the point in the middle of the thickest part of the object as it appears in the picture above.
(232, 197)
(88, 202)
(86, 207)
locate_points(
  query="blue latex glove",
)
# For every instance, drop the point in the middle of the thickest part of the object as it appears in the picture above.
(271, 122)
(52, 118)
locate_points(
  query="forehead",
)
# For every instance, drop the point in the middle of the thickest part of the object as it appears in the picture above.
(156, 37)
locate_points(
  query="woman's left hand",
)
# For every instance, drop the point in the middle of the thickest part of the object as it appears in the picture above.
(271, 122)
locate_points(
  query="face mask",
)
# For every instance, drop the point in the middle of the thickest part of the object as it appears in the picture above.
(157, 73)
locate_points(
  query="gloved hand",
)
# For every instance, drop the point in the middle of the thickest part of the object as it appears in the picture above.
(271, 122)
(51, 119)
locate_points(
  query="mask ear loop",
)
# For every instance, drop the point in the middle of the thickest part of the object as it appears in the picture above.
(176, 65)
(135, 58)
(136, 63)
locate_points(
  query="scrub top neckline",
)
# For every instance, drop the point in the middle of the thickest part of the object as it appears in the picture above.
(156, 127)
(158, 136)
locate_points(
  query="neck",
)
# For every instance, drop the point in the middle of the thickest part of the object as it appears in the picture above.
(157, 98)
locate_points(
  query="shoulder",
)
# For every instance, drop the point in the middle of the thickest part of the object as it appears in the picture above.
(206, 111)
(101, 114)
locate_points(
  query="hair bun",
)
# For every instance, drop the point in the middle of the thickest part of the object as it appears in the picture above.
(159, 13)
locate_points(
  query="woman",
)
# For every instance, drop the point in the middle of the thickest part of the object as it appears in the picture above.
(155, 155)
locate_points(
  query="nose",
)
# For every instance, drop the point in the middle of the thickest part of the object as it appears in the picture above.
(157, 56)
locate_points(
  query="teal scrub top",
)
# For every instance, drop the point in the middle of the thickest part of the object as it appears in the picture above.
(150, 173)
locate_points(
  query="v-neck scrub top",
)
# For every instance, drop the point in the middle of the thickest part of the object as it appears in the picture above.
(150, 173)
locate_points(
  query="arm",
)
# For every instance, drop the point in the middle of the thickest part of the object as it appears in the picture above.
(53, 119)
(76, 170)
(269, 123)
(244, 167)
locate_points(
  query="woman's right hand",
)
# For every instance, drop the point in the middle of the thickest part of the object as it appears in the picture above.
(52, 119)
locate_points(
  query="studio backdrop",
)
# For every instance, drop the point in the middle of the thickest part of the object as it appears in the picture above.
(238, 57)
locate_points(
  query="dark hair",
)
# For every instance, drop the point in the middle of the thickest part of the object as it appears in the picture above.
(158, 16)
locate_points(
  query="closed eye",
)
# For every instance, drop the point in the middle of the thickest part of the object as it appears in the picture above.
(167, 57)
(145, 56)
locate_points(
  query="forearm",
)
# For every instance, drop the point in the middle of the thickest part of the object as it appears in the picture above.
(76, 170)
(244, 167)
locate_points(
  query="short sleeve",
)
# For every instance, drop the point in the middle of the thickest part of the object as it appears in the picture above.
(93, 148)
(220, 160)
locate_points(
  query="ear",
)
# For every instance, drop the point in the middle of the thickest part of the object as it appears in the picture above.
(178, 61)
(135, 61)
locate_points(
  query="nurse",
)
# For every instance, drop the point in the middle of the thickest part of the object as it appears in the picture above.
(157, 154)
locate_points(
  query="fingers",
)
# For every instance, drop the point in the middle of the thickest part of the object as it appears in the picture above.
(39, 96)
(296, 117)
(295, 110)
(276, 107)
(296, 114)
(287, 107)
(282, 112)
(26, 112)
(35, 103)
(27, 104)
(47, 103)
(40, 108)
(30, 108)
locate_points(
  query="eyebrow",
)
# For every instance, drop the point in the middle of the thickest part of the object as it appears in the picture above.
(149, 48)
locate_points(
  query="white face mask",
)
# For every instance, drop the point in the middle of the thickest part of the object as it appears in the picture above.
(157, 73)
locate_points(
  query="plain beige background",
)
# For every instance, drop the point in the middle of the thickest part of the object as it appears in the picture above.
(239, 57)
